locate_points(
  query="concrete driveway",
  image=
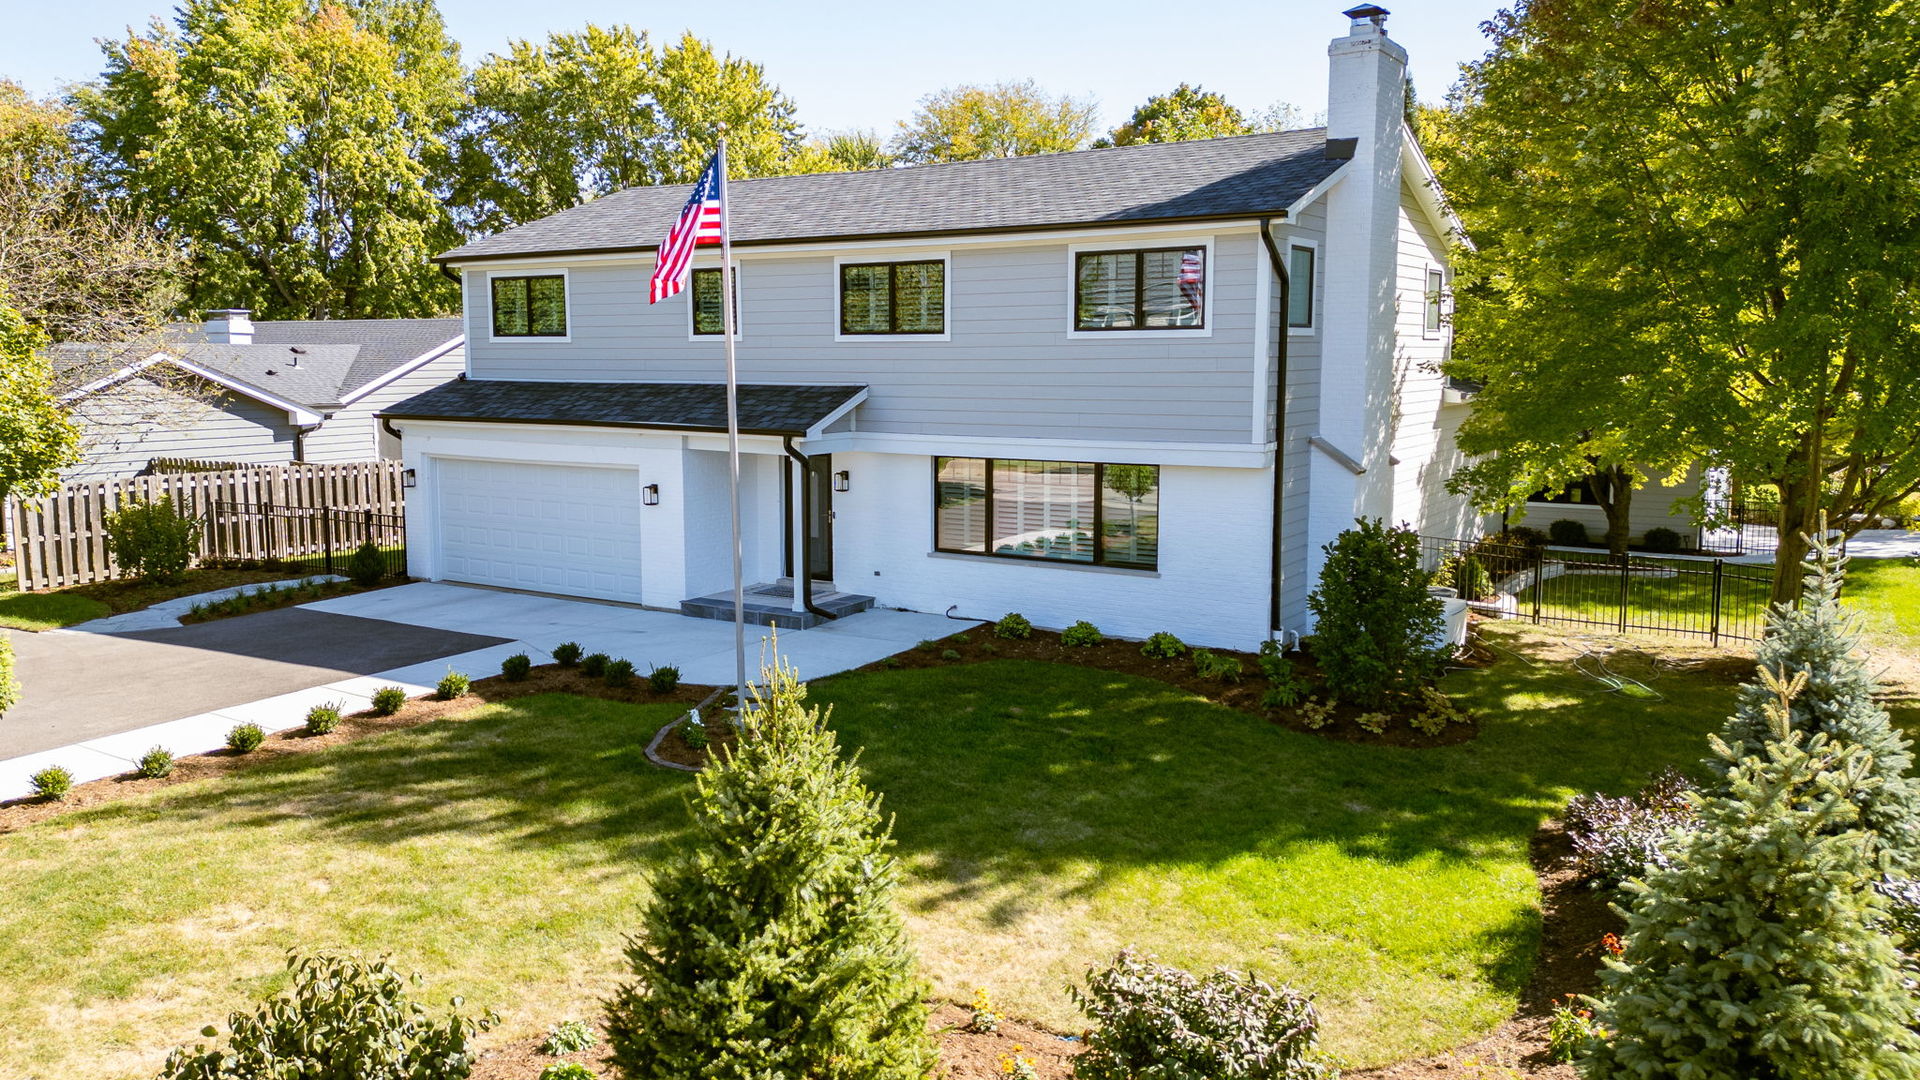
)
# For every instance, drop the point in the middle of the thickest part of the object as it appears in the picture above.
(79, 686)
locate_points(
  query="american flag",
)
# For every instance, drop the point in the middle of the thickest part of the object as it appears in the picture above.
(702, 222)
(1193, 279)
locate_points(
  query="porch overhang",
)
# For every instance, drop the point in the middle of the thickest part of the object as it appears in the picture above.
(795, 410)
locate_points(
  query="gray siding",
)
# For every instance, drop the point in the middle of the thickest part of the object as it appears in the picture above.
(1010, 367)
(130, 423)
(1303, 419)
(353, 434)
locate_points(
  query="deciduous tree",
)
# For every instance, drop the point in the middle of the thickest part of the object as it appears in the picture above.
(1696, 247)
(1185, 112)
(295, 149)
(1008, 119)
(37, 436)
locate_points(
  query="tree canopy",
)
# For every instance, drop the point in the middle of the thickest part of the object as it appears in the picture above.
(37, 437)
(292, 148)
(1185, 112)
(1695, 247)
(1008, 119)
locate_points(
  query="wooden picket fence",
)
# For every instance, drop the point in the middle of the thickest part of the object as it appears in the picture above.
(61, 539)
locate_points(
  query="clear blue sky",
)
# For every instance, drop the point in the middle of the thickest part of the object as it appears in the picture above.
(847, 67)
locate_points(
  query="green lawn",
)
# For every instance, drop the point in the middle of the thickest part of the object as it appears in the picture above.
(1886, 592)
(50, 609)
(1047, 815)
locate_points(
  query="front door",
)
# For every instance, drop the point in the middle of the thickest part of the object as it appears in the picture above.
(820, 520)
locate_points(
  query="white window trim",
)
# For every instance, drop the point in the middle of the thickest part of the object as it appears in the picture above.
(566, 292)
(1439, 302)
(1073, 272)
(740, 305)
(942, 256)
(1286, 317)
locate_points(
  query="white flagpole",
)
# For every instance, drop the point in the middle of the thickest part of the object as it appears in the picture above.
(733, 434)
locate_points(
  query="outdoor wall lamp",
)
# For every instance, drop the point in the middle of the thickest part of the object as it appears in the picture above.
(842, 481)
(409, 478)
(650, 495)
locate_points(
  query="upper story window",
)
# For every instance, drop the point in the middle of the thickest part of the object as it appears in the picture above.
(1153, 289)
(1436, 295)
(707, 315)
(894, 297)
(530, 306)
(1300, 287)
(1063, 511)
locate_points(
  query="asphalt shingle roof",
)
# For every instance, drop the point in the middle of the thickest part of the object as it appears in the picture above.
(765, 409)
(1247, 176)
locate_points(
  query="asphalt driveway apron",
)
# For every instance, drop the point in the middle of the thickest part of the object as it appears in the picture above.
(78, 686)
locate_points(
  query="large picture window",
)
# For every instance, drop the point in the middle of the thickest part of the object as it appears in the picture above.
(707, 315)
(1066, 511)
(1157, 289)
(893, 298)
(530, 306)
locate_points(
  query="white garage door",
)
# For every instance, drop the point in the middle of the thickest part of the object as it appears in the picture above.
(549, 528)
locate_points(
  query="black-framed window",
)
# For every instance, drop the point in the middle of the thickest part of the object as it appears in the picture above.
(707, 315)
(532, 306)
(1300, 286)
(1065, 511)
(894, 297)
(1578, 493)
(1148, 289)
(1436, 292)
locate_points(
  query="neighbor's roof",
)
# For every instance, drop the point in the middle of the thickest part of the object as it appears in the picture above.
(1245, 176)
(765, 409)
(336, 357)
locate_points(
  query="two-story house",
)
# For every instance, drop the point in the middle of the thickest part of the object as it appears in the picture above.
(1140, 386)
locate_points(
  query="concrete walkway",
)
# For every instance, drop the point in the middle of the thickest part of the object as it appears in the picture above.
(109, 697)
(1866, 544)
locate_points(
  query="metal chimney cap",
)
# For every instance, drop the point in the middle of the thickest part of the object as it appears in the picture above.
(1366, 11)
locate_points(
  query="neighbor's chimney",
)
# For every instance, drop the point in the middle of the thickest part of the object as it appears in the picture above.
(229, 326)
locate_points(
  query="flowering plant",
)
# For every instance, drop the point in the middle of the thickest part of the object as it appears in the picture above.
(985, 1020)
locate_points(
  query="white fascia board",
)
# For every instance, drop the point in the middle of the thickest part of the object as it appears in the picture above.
(1414, 163)
(406, 369)
(1111, 451)
(820, 427)
(105, 381)
(297, 413)
(1318, 191)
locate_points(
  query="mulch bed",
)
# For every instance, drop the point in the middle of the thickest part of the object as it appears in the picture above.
(980, 644)
(545, 679)
(964, 1055)
(280, 598)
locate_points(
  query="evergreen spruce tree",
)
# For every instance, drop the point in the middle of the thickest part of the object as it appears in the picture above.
(1761, 952)
(772, 948)
(1818, 639)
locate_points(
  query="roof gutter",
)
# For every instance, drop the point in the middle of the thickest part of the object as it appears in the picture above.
(1279, 417)
(803, 561)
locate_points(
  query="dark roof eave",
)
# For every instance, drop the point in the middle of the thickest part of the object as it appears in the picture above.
(451, 257)
(563, 422)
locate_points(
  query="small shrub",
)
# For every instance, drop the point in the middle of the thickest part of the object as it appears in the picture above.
(1615, 838)
(950, 654)
(989, 648)
(344, 1017)
(1163, 646)
(1662, 540)
(568, 1070)
(52, 782)
(664, 680)
(984, 1020)
(1018, 1066)
(367, 565)
(568, 1037)
(1377, 629)
(1080, 635)
(1570, 1029)
(1316, 714)
(594, 665)
(963, 638)
(1433, 711)
(1286, 687)
(515, 668)
(322, 719)
(1013, 625)
(452, 685)
(151, 540)
(1464, 574)
(155, 763)
(1150, 1020)
(246, 738)
(694, 733)
(619, 674)
(1208, 664)
(388, 700)
(1568, 532)
(927, 645)
(1375, 722)
(567, 653)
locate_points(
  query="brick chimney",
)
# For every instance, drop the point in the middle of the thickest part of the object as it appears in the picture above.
(229, 326)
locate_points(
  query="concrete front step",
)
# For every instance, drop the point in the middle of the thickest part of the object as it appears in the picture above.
(772, 605)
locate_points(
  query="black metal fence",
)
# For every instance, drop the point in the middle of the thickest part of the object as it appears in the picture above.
(1744, 522)
(1664, 594)
(305, 539)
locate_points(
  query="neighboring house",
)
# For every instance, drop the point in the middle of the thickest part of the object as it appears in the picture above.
(256, 393)
(1045, 384)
